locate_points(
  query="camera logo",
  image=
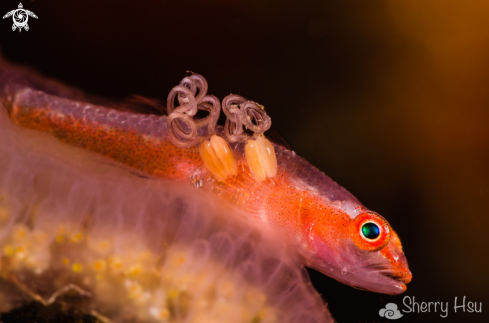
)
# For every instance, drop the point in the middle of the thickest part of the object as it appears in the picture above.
(390, 312)
(20, 17)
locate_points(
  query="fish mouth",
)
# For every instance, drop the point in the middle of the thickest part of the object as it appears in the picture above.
(402, 278)
(394, 266)
(381, 279)
(386, 281)
(383, 271)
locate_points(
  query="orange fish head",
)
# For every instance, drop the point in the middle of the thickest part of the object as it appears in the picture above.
(363, 252)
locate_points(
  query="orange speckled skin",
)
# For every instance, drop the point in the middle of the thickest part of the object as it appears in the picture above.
(274, 199)
(300, 200)
(153, 157)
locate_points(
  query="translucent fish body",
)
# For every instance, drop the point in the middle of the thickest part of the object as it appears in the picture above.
(315, 213)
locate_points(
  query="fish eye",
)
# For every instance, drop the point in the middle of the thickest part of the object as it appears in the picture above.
(369, 231)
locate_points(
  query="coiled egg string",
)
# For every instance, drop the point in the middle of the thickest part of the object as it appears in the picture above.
(182, 127)
(214, 149)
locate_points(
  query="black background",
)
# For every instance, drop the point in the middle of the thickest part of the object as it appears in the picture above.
(389, 98)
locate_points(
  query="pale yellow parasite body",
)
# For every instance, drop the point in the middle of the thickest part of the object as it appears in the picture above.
(261, 158)
(218, 158)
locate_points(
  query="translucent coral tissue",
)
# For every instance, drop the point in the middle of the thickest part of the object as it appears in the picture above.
(124, 248)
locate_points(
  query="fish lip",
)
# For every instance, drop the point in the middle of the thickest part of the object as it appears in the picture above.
(395, 284)
(389, 283)
(399, 288)
(403, 278)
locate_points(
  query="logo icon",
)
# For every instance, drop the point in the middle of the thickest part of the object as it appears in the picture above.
(390, 312)
(20, 17)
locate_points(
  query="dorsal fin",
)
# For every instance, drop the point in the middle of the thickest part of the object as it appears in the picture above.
(277, 138)
(140, 104)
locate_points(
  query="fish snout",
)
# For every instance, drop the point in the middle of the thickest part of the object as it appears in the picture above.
(399, 266)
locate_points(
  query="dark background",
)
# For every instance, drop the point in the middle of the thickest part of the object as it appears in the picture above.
(389, 98)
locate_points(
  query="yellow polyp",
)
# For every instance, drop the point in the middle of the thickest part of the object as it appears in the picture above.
(134, 270)
(164, 314)
(8, 250)
(60, 237)
(261, 158)
(184, 282)
(180, 260)
(173, 294)
(102, 248)
(267, 315)
(115, 263)
(218, 158)
(77, 267)
(66, 261)
(76, 237)
(135, 289)
(19, 233)
(100, 265)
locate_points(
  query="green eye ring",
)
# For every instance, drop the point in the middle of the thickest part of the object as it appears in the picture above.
(370, 230)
